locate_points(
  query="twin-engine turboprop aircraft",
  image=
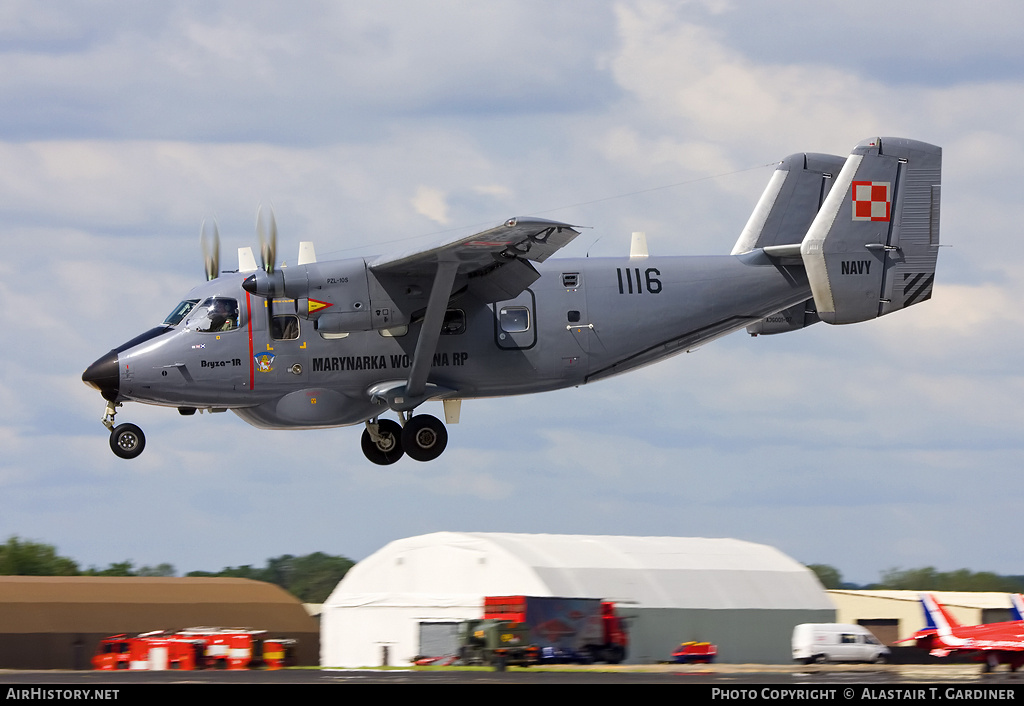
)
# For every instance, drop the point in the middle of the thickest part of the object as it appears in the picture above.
(324, 344)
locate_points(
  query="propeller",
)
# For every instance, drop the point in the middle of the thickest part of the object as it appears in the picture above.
(266, 230)
(210, 244)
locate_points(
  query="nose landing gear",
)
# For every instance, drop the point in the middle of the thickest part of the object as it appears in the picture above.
(126, 440)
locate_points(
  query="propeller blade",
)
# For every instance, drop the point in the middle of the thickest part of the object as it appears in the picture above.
(210, 244)
(266, 229)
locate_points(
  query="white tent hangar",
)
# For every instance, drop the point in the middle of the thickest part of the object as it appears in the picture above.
(406, 598)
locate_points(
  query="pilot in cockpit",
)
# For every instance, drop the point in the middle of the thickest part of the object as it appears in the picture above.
(222, 316)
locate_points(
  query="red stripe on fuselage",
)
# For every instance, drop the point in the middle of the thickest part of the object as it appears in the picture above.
(248, 320)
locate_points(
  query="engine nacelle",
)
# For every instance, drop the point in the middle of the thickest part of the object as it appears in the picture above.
(343, 296)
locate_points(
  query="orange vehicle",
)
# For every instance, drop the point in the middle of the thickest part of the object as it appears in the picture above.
(194, 648)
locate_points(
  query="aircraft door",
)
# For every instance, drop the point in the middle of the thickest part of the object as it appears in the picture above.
(515, 324)
(283, 359)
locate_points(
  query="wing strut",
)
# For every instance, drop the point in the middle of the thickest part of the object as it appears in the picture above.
(430, 331)
(403, 396)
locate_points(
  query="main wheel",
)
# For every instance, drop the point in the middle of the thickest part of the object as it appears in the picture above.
(424, 437)
(127, 441)
(388, 448)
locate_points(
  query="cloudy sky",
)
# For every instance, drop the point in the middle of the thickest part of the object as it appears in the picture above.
(376, 127)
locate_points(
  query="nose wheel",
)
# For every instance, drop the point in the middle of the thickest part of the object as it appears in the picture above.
(126, 440)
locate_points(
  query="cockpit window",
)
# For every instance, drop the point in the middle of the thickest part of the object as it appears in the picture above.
(180, 312)
(214, 315)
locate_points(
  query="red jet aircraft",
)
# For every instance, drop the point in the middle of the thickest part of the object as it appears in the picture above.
(992, 643)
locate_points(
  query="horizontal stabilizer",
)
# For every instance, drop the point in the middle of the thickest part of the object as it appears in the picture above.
(872, 247)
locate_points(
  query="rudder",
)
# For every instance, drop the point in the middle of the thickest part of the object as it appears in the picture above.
(873, 246)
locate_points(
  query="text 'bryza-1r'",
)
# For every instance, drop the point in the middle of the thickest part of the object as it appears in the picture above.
(323, 344)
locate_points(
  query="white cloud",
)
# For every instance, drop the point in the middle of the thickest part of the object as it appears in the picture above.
(431, 203)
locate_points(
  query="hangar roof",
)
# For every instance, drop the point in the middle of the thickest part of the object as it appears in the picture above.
(43, 604)
(671, 572)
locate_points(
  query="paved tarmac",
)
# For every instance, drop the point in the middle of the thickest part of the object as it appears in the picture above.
(723, 675)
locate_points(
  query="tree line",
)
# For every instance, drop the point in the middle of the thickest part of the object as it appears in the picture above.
(310, 578)
(924, 579)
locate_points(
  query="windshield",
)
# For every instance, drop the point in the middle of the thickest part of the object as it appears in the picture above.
(215, 314)
(180, 312)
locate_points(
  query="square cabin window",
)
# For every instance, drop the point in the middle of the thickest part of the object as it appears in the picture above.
(514, 319)
(285, 328)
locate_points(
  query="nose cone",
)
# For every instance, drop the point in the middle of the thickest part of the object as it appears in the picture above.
(104, 376)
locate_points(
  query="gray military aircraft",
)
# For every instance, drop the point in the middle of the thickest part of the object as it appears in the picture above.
(324, 344)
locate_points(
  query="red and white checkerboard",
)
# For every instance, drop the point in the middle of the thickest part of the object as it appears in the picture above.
(871, 200)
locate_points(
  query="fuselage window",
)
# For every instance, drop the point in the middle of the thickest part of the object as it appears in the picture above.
(454, 322)
(285, 328)
(214, 315)
(514, 319)
(180, 312)
(573, 316)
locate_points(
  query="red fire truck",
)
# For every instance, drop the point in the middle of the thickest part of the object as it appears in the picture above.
(194, 648)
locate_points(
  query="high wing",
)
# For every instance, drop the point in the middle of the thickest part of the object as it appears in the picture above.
(492, 265)
(494, 260)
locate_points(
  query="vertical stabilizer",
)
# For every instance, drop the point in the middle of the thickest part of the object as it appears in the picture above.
(790, 202)
(937, 616)
(1016, 607)
(872, 247)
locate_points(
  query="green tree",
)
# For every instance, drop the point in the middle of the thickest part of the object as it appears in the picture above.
(929, 579)
(310, 578)
(828, 575)
(24, 558)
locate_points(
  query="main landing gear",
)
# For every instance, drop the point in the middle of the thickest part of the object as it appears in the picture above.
(422, 437)
(126, 440)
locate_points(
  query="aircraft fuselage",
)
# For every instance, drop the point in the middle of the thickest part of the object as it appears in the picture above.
(582, 320)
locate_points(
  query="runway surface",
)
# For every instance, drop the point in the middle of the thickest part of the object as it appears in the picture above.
(722, 675)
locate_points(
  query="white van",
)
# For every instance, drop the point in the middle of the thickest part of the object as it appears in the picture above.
(836, 642)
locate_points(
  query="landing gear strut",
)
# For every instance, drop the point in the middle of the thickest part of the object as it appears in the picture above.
(126, 440)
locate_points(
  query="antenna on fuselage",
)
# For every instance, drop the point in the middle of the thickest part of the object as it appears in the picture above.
(638, 246)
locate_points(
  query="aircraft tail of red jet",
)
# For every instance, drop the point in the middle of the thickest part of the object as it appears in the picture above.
(1016, 606)
(937, 616)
